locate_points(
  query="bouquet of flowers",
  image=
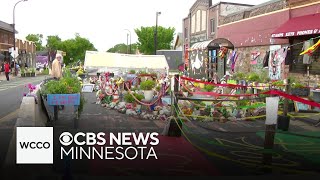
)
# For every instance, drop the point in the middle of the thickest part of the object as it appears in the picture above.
(32, 92)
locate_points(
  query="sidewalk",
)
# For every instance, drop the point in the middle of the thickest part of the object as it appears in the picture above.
(3, 77)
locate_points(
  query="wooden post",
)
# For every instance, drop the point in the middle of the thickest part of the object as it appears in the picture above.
(268, 146)
(286, 101)
(174, 128)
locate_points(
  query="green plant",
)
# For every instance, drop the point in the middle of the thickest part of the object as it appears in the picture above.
(82, 102)
(277, 83)
(147, 85)
(45, 71)
(128, 98)
(224, 112)
(132, 71)
(253, 77)
(209, 88)
(158, 88)
(297, 85)
(238, 76)
(22, 71)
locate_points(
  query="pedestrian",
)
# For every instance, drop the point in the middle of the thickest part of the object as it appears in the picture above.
(7, 70)
(56, 70)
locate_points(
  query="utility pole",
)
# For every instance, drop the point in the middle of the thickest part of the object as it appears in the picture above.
(156, 34)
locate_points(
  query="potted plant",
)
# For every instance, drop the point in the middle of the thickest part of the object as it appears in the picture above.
(209, 88)
(23, 72)
(253, 77)
(299, 89)
(206, 111)
(147, 86)
(32, 72)
(28, 73)
(132, 71)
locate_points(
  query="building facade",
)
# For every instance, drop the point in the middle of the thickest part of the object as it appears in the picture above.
(269, 27)
(26, 49)
(254, 32)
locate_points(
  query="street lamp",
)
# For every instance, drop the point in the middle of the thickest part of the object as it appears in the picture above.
(130, 39)
(14, 36)
(156, 34)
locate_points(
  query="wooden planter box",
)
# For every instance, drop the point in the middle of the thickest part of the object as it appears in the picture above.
(52, 101)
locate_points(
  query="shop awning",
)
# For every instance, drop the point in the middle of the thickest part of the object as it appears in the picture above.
(200, 45)
(299, 26)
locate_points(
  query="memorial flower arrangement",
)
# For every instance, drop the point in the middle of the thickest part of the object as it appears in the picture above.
(32, 92)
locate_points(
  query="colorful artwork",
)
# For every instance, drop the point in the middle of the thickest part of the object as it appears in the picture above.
(274, 63)
(197, 61)
(63, 99)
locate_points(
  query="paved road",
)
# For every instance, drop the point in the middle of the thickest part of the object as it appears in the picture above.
(11, 94)
(224, 153)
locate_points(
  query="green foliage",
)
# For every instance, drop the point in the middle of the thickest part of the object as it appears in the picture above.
(209, 88)
(253, 77)
(37, 39)
(147, 85)
(82, 102)
(66, 85)
(238, 76)
(45, 72)
(123, 48)
(106, 100)
(130, 99)
(146, 38)
(132, 71)
(278, 83)
(75, 48)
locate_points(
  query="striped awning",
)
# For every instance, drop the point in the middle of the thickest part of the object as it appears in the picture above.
(200, 45)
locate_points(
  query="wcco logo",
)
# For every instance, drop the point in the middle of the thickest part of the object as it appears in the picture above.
(34, 145)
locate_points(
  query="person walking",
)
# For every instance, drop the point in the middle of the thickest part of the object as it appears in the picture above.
(7, 70)
(56, 70)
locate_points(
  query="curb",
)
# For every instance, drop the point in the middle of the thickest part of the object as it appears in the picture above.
(26, 118)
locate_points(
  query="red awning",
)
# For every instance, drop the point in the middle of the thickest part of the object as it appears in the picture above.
(299, 26)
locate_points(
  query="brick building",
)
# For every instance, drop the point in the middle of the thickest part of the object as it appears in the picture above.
(26, 49)
(271, 26)
(255, 30)
(200, 26)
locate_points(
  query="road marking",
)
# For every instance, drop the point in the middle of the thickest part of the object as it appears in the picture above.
(17, 84)
(10, 116)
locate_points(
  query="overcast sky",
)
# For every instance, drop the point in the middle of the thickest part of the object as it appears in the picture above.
(101, 21)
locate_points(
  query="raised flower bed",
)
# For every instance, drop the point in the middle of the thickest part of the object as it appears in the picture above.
(59, 93)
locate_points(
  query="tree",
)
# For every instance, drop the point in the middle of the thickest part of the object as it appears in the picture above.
(54, 42)
(37, 39)
(146, 38)
(75, 48)
(123, 48)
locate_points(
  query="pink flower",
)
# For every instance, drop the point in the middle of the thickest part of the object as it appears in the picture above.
(24, 94)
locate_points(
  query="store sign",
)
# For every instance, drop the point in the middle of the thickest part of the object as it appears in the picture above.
(297, 33)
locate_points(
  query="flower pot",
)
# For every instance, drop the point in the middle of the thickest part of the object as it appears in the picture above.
(283, 122)
(148, 95)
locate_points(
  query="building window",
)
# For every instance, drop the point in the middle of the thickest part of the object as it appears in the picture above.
(198, 21)
(193, 23)
(204, 20)
(185, 32)
(212, 25)
(5, 38)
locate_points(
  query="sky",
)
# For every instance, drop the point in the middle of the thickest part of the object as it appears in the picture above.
(103, 22)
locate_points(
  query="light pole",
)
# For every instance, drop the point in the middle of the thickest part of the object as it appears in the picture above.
(130, 39)
(156, 34)
(14, 36)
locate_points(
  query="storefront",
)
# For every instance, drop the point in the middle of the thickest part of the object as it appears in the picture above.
(209, 58)
(302, 32)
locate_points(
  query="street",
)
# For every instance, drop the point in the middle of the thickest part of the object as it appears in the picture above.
(11, 94)
(200, 151)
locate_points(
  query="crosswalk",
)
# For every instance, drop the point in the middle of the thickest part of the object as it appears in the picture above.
(4, 85)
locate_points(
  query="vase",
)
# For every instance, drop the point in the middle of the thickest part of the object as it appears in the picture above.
(148, 95)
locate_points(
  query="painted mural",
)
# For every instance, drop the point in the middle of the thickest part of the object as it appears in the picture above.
(275, 63)
(197, 63)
